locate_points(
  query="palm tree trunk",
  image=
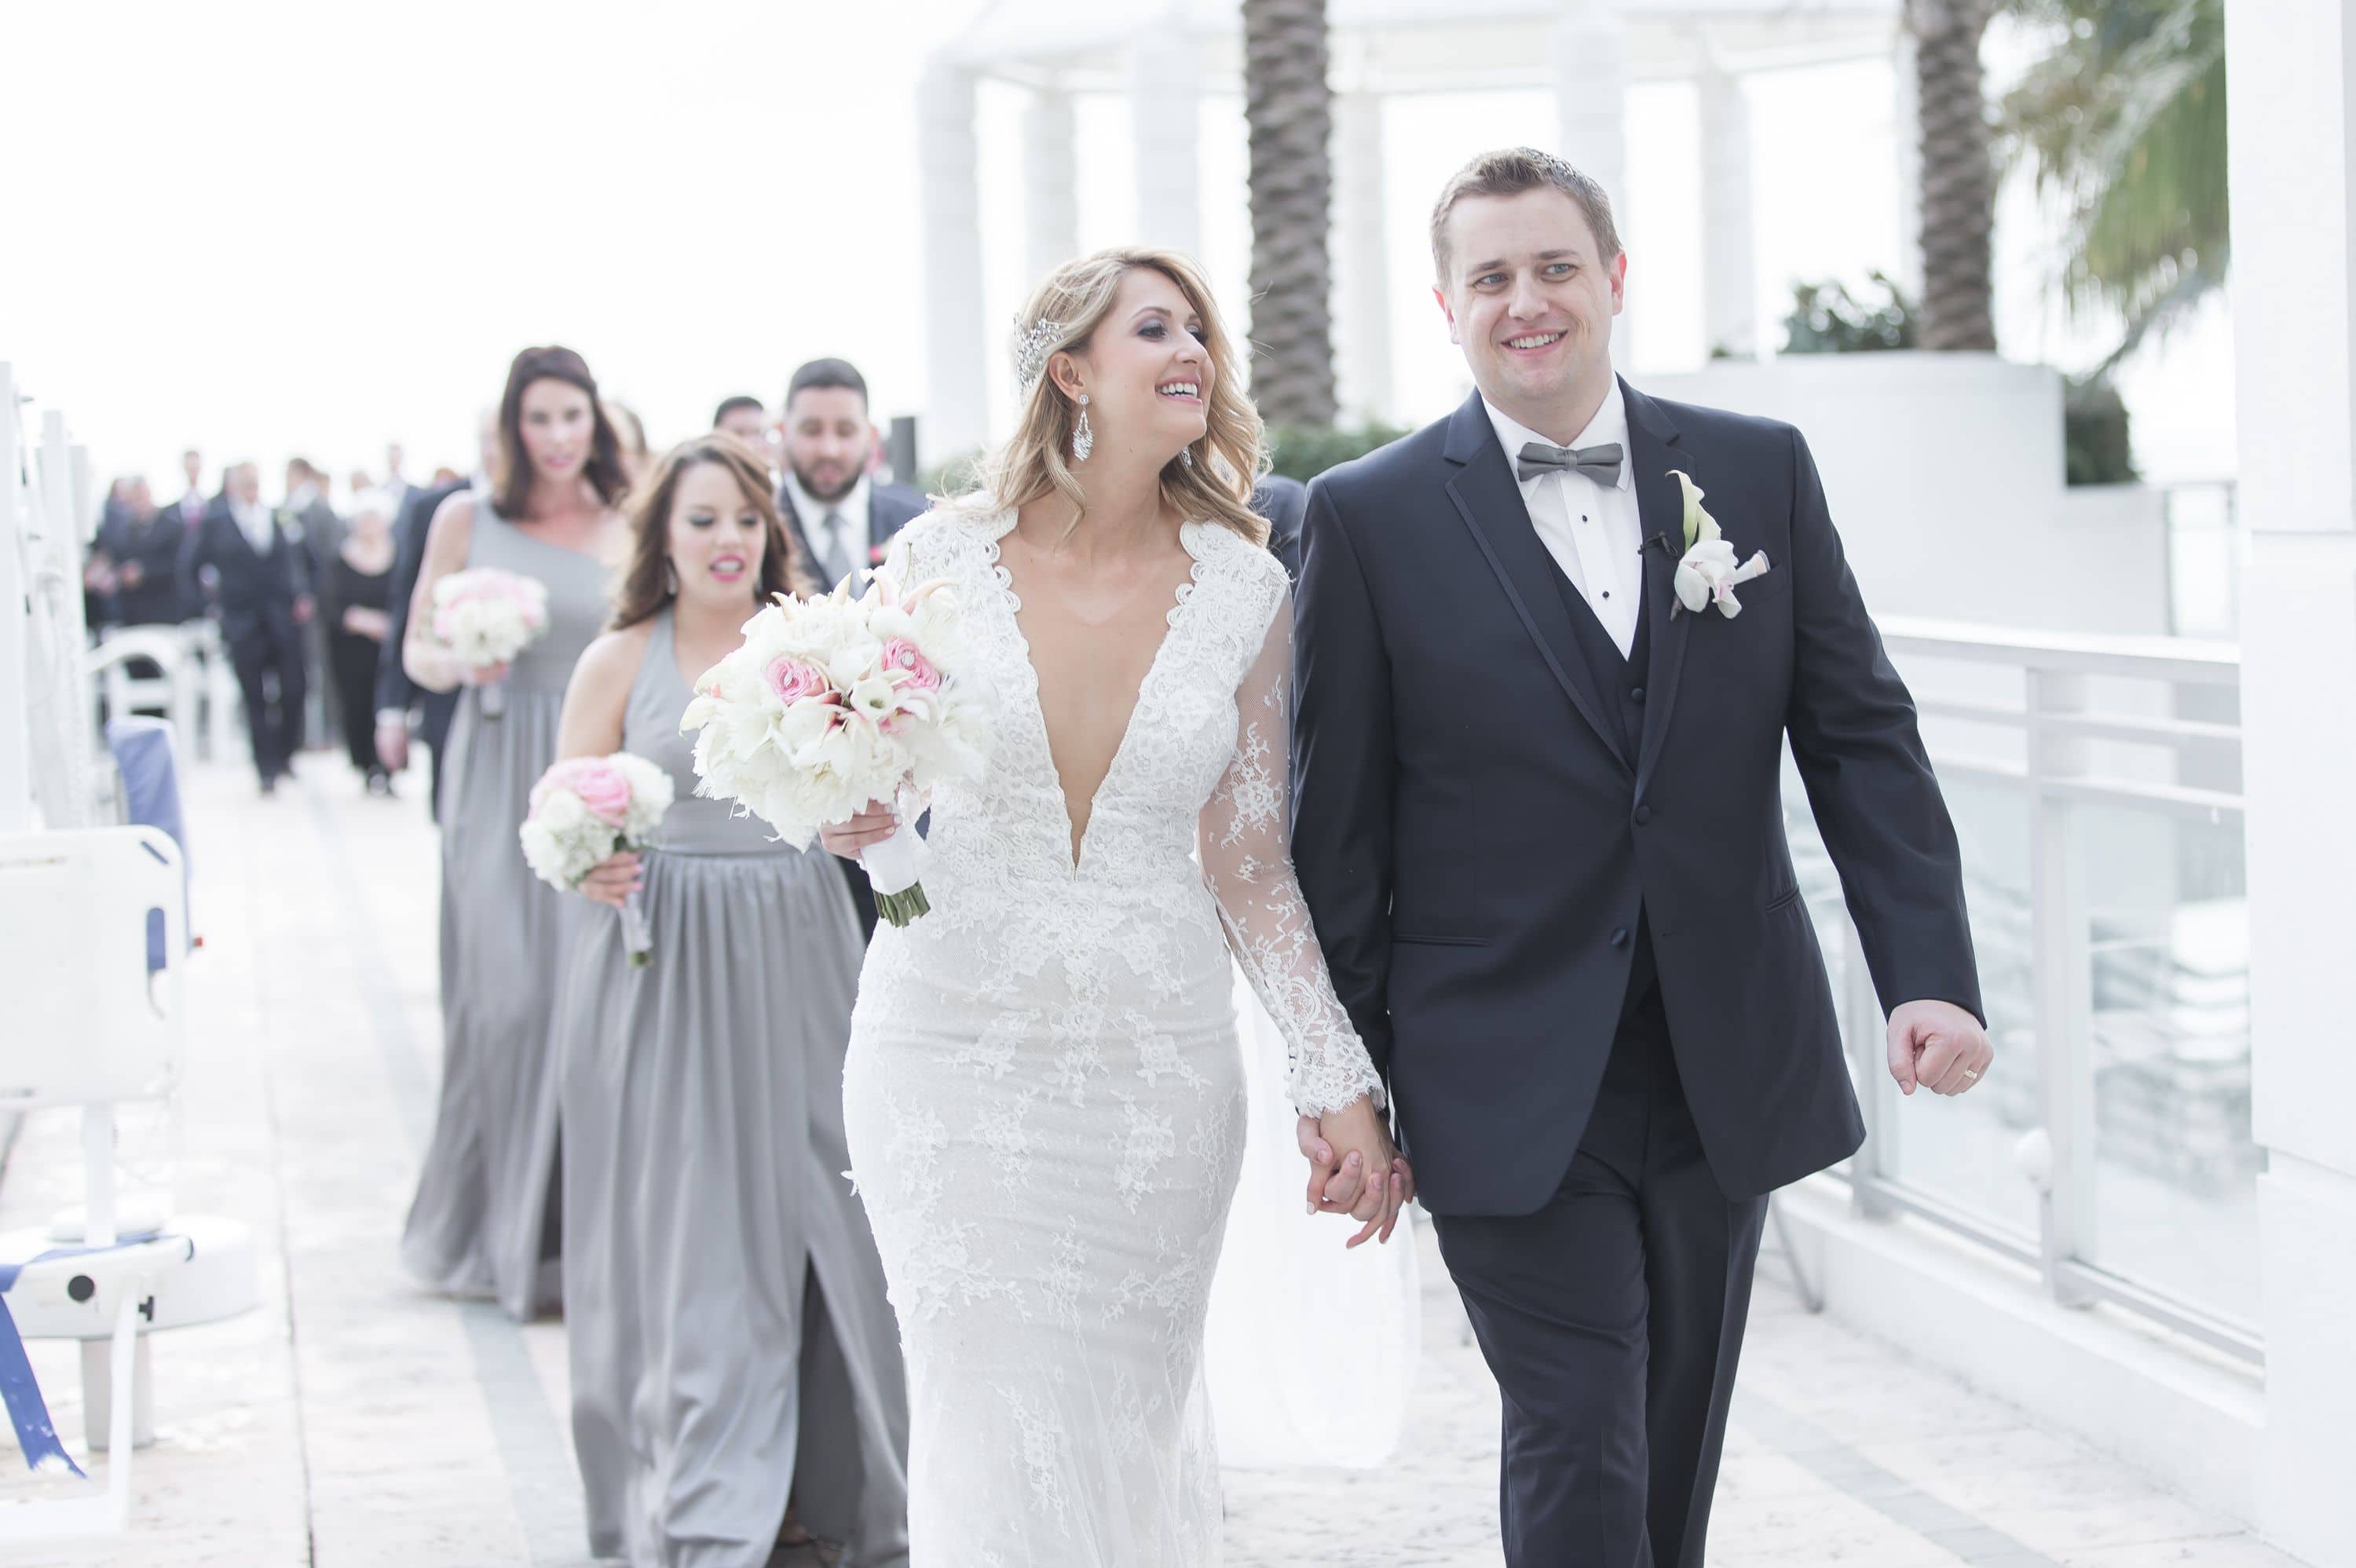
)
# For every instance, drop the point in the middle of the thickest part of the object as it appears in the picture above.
(1288, 109)
(1958, 173)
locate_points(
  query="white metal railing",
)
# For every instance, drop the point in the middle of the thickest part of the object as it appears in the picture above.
(2095, 784)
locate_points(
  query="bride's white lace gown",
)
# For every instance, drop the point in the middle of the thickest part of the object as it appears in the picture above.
(1044, 1095)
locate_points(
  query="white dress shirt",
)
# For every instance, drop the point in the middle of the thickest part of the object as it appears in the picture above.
(253, 519)
(812, 513)
(1595, 535)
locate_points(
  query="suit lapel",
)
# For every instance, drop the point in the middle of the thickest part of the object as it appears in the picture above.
(1486, 495)
(1652, 447)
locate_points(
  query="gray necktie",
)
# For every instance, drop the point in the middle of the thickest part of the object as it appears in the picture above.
(832, 558)
(1600, 463)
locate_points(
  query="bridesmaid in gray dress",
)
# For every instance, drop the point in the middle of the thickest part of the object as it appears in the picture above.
(482, 1221)
(731, 1344)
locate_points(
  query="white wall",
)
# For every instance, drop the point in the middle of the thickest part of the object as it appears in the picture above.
(1944, 472)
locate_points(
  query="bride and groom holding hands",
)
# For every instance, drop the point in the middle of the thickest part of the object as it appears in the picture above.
(1524, 722)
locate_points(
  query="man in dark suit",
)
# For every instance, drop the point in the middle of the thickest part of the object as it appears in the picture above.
(187, 515)
(841, 518)
(397, 696)
(142, 547)
(242, 563)
(1539, 826)
(1282, 502)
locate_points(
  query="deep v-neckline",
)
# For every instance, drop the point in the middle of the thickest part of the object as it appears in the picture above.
(1074, 844)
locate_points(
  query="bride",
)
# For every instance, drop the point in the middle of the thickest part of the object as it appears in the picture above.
(1044, 1096)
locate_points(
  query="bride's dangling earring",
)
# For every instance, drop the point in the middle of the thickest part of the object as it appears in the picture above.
(1187, 455)
(1084, 440)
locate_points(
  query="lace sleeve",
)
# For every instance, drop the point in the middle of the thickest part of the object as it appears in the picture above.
(1247, 863)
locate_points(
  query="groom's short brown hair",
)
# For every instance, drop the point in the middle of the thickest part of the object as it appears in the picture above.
(1509, 172)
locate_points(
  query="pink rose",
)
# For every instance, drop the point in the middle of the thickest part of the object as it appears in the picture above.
(604, 792)
(907, 665)
(794, 680)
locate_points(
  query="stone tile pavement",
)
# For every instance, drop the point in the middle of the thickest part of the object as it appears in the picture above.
(354, 1420)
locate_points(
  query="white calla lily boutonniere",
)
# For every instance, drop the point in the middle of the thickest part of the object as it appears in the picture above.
(1708, 573)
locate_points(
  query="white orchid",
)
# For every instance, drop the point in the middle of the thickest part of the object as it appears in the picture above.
(1708, 572)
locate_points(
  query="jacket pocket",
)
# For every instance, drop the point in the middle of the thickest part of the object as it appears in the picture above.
(1784, 901)
(1430, 939)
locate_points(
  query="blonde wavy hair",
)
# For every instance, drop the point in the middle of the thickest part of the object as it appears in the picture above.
(1061, 318)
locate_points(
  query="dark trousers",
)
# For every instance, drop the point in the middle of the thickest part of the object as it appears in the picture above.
(1613, 1319)
(269, 663)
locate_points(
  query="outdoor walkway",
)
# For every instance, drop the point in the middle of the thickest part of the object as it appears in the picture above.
(352, 1420)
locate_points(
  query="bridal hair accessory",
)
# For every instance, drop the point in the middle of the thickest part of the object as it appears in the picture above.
(1708, 573)
(1033, 349)
(1084, 440)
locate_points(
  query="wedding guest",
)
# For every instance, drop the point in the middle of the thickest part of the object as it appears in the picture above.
(189, 514)
(839, 515)
(633, 433)
(319, 530)
(724, 1305)
(397, 697)
(745, 417)
(239, 562)
(355, 592)
(142, 547)
(480, 1220)
(397, 488)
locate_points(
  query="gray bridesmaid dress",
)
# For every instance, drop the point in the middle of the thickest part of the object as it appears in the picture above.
(725, 1304)
(483, 1220)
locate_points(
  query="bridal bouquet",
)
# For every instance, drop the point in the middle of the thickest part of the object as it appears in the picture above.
(586, 808)
(486, 616)
(835, 701)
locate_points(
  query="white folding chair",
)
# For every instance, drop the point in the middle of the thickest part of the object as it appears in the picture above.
(90, 1026)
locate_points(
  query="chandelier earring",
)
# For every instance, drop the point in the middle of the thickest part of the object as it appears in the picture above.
(1187, 455)
(1084, 440)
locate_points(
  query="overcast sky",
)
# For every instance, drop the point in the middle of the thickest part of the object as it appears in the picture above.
(264, 229)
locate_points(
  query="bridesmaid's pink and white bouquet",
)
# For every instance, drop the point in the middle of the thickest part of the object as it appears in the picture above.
(586, 808)
(486, 617)
(833, 702)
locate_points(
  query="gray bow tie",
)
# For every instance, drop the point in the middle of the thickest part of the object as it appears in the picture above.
(1600, 463)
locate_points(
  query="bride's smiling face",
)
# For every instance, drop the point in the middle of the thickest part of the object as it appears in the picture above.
(1145, 369)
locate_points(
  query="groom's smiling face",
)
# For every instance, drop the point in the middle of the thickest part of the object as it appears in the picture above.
(1530, 299)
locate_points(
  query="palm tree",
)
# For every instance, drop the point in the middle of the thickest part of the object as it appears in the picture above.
(2125, 122)
(1958, 172)
(1288, 109)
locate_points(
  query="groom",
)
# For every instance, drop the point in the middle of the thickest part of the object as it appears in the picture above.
(1539, 826)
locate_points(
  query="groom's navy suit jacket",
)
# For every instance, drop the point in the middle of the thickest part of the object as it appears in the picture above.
(1488, 833)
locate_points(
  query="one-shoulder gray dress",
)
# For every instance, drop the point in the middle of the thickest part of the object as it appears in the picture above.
(724, 1305)
(483, 1221)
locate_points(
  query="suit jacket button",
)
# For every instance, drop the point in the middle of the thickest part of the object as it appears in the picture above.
(1619, 937)
(1637, 694)
(1643, 814)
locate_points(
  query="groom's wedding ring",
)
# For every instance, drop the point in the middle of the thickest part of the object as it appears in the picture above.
(1971, 1076)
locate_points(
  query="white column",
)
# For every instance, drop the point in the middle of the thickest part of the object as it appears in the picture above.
(957, 339)
(1591, 88)
(1728, 239)
(2292, 140)
(1361, 274)
(1051, 212)
(1165, 106)
(15, 672)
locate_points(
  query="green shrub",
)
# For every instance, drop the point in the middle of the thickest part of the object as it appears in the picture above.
(1303, 452)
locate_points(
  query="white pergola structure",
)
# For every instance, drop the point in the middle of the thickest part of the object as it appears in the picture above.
(1167, 56)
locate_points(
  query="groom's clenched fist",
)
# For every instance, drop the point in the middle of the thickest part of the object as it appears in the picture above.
(1938, 1045)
